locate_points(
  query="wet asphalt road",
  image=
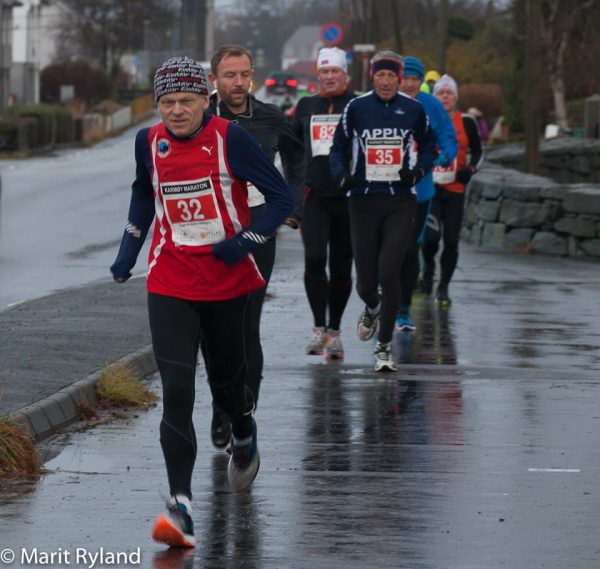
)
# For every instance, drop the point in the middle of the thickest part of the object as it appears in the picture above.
(62, 217)
(480, 452)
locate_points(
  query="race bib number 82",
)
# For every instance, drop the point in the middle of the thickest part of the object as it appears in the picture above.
(322, 129)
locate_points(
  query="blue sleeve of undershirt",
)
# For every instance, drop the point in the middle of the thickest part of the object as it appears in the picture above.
(426, 142)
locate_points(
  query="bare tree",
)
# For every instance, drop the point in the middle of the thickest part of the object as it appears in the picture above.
(103, 30)
(560, 20)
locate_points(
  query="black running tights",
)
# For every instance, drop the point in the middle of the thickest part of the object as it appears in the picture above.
(381, 228)
(410, 266)
(326, 226)
(178, 326)
(445, 219)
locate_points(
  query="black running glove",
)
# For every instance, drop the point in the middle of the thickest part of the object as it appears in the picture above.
(345, 181)
(232, 251)
(464, 175)
(410, 178)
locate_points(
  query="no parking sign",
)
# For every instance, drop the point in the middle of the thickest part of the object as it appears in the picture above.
(331, 34)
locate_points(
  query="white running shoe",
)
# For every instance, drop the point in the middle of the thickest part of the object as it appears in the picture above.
(317, 342)
(383, 357)
(334, 350)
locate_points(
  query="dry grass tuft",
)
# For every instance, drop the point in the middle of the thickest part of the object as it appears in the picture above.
(87, 411)
(119, 387)
(18, 454)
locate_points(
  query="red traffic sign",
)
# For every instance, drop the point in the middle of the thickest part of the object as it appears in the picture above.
(331, 34)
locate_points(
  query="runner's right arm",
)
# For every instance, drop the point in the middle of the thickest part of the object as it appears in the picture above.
(141, 211)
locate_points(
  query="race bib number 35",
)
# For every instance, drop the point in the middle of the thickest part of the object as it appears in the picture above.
(383, 159)
(191, 208)
(322, 129)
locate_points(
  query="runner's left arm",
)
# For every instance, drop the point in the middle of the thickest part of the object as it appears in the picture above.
(339, 155)
(248, 162)
(475, 150)
(475, 146)
(291, 151)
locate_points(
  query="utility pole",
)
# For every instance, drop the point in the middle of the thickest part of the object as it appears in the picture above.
(442, 35)
(193, 28)
(209, 47)
(532, 76)
(4, 76)
(397, 27)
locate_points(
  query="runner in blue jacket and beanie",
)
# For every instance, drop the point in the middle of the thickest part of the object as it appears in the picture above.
(445, 140)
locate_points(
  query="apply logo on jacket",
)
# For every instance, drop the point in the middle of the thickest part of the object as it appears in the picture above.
(386, 133)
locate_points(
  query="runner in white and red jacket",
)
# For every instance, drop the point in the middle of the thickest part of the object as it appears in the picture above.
(192, 175)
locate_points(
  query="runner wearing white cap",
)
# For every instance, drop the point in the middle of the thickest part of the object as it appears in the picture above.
(325, 223)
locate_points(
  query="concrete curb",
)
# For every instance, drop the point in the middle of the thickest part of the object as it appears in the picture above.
(44, 418)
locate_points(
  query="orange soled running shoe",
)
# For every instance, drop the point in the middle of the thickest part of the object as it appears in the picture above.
(175, 527)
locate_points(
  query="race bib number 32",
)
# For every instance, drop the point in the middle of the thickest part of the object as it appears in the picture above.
(383, 159)
(191, 208)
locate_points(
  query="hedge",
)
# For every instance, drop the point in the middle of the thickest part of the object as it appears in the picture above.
(54, 124)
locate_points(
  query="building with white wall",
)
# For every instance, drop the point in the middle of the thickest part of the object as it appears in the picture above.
(35, 31)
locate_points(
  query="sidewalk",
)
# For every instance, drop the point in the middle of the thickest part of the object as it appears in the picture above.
(51, 347)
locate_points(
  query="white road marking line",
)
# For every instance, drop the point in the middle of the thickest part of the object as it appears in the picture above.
(572, 470)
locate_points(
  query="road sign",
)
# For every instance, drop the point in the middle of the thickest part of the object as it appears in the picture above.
(363, 47)
(331, 34)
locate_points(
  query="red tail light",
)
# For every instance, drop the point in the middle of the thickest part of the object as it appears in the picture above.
(270, 82)
(291, 83)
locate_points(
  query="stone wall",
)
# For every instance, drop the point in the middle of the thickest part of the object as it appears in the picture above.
(507, 209)
(565, 160)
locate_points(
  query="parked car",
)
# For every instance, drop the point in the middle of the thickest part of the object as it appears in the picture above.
(281, 83)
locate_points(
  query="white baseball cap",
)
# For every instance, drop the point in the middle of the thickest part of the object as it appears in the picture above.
(332, 57)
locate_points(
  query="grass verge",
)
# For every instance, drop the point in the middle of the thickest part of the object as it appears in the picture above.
(119, 387)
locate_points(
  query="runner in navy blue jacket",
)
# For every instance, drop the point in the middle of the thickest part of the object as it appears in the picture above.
(371, 159)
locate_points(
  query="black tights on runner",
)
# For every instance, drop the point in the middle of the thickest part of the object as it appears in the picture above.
(381, 229)
(410, 266)
(178, 326)
(265, 259)
(326, 225)
(444, 219)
